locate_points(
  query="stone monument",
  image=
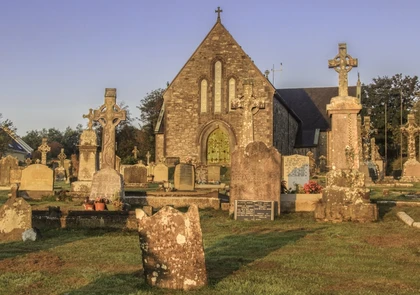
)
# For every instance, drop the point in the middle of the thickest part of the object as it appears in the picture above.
(184, 177)
(60, 171)
(172, 248)
(44, 149)
(37, 181)
(7, 164)
(411, 169)
(296, 170)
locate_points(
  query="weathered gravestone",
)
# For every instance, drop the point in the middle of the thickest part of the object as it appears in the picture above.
(37, 181)
(135, 174)
(184, 177)
(107, 183)
(213, 173)
(411, 171)
(15, 217)
(256, 174)
(172, 248)
(16, 175)
(296, 170)
(161, 172)
(7, 164)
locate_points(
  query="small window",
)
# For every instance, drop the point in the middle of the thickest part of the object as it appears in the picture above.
(232, 92)
(217, 87)
(203, 92)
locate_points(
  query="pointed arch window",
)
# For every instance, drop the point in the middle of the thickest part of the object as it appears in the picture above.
(203, 99)
(218, 86)
(232, 92)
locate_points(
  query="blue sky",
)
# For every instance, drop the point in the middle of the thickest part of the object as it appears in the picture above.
(57, 57)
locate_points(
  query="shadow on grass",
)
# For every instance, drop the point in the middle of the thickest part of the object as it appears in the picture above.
(229, 254)
(383, 209)
(50, 238)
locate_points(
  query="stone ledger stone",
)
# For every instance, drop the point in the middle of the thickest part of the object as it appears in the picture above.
(107, 183)
(345, 198)
(37, 181)
(256, 174)
(172, 246)
(184, 177)
(15, 218)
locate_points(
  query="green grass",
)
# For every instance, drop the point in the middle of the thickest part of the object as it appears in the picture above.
(291, 255)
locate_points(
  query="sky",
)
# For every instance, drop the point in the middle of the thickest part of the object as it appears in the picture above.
(57, 57)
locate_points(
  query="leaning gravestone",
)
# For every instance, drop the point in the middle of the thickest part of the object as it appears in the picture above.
(161, 172)
(172, 248)
(296, 170)
(184, 177)
(15, 218)
(7, 164)
(135, 175)
(37, 181)
(256, 174)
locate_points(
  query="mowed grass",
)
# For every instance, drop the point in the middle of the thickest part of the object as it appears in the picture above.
(291, 255)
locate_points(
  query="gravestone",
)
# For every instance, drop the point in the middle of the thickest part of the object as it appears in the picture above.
(411, 170)
(213, 173)
(37, 181)
(255, 174)
(184, 177)
(15, 218)
(201, 174)
(161, 173)
(107, 183)
(172, 248)
(135, 174)
(296, 170)
(7, 164)
(16, 175)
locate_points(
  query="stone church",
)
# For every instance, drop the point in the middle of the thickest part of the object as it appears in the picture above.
(204, 114)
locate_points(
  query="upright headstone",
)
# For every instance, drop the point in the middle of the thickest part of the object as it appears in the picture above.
(135, 175)
(7, 164)
(184, 177)
(15, 218)
(107, 182)
(201, 174)
(172, 248)
(255, 174)
(161, 172)
(411, 170)
(295, 170)
(37, 181)
(44, 149)
(213, 173)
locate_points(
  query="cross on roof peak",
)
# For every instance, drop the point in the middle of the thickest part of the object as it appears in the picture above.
(218, 11)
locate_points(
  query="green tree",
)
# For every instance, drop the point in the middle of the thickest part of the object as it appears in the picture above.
(396, 95)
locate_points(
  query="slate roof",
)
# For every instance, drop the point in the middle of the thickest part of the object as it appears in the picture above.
(310, 105)
(17, 144)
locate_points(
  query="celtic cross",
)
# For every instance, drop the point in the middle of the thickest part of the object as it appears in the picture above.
(135, 152)
(342, 63)
(61, 157)
(44, 149)
(410, 129)
(90, 118)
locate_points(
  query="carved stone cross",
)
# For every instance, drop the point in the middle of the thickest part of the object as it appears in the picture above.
(148, 158)
(250, 106)
(90, 117)
(367, 131)
(135, 152)
(342, 64)
(61, 157)
(410, 129)
(44, 149)
(109, 115)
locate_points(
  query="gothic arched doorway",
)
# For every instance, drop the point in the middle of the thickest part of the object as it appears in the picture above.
(218, 148)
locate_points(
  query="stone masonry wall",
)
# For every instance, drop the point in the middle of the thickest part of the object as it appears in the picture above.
(285, 129)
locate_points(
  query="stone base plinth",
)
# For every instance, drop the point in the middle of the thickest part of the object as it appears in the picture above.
(299, 202)
(411, 171)
(81, 186)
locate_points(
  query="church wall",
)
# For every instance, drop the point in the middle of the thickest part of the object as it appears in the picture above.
(285, 128)
(183, 116)
(159, 145)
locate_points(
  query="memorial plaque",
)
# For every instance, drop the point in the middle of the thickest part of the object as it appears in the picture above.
(254, 210)
(295, 170)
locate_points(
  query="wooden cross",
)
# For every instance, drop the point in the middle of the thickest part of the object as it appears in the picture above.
(148, 157)
(135, 152)
(250, 106)
(410, 129)
(218, 11)
(109, 115)
(342, 64)
(90, 117)
(44, 149)
(61, 157)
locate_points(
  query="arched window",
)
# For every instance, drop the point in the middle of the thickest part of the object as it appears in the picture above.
(217, 87)
(203, 93)
(232, 91)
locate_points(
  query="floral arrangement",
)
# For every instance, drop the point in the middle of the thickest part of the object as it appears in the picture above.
(312, 187)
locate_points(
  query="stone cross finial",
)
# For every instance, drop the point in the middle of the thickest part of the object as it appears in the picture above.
(62, 156)
(90, 118)
(342, 64)
(410, 129)
(218, 11)
(37, 161)
(135, 152)
(148, 157)
(28, 161)
(109, 115)
(250, 106)
(44, 149)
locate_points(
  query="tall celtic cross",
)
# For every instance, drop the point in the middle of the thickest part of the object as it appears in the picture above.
(250, 106)
(410, 129)
(62, 156)
(90, 117)
(342, 63)
(44, 149)
(109, 115)
(135, 152)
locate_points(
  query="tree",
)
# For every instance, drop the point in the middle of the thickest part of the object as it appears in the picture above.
(392, 94)
(5, 139)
